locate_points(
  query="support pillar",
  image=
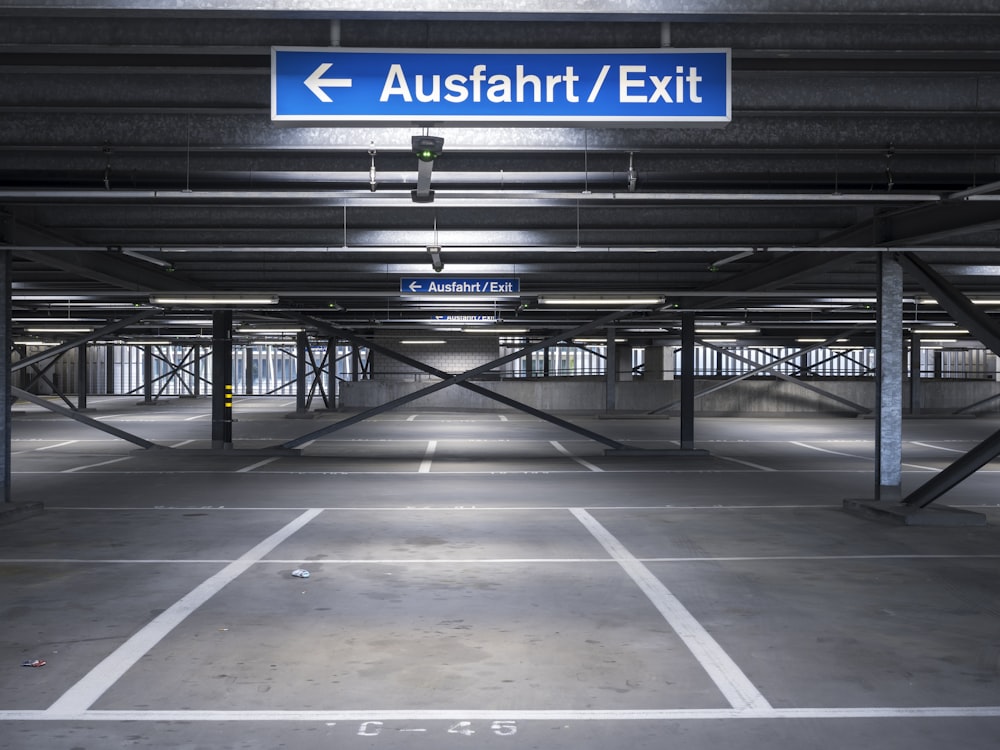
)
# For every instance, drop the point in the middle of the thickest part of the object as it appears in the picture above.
(82, 384)
(196, 386)
(916, 395)
(611, 371)
(5, 378)
(301, 367)
(687, 381)
(109, 369)
(222, 379)
(147, 375)
(889, 380)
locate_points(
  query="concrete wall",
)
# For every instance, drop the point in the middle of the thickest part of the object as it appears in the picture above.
(750, 397)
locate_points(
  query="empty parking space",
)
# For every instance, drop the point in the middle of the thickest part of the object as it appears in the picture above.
(522, 588)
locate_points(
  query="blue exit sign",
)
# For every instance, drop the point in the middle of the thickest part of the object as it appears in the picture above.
(454, 285)
(645, 87)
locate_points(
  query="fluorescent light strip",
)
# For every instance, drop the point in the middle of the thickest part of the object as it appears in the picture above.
(212, 299)
(601, 300)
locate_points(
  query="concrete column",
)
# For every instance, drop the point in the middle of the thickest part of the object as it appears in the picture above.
(687, 380)
(222, 379)
(889, 379)
(5, 376)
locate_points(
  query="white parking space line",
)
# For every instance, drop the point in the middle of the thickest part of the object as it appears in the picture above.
(938, 447)
(257, 465)
(741, 693)
(488, 715)
(412, 418)
(503, 418)
(182, 442)
(586, 464)
(827, 450)
(57, 445)
(425, 465)
(197, 416)
(91, 466)
(95, 683)
(852, 455)
(751, 464)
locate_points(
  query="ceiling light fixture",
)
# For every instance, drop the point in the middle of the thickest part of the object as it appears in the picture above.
(214, 299)
(602, 300)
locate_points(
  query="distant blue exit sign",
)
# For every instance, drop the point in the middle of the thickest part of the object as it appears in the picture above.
(615, 87)
(458, 285)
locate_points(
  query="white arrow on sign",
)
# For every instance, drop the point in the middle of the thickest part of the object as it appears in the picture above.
(316, 82)
(414, 286)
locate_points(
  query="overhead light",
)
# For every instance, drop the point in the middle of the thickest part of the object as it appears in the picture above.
(948, 331)
(720, 341)
(269, 330)
(19, 342)
(980, 301)
(495, 330)
(422, 342)
(57, 329)
(727, 329)
(214, 299)
(602, 300)
(810, 341)
(597, 341)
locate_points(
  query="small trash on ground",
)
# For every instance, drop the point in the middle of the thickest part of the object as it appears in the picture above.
(300, 573)
(33, 663)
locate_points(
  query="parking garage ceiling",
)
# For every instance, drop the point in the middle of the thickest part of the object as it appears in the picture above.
(138, 156)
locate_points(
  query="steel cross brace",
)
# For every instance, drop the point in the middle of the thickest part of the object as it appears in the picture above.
(986, 331)
(460, 379)
(769, 366)
(141, 442)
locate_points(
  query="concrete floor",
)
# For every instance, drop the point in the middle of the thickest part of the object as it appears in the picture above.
(488, 580)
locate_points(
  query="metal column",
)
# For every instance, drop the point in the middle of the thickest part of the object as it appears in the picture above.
(147, 374)
(301, 342)
(81, 377)
(222, 379)
(889, 379)
(611, 371)
(5, 376)
(687, 380)
(916, 396)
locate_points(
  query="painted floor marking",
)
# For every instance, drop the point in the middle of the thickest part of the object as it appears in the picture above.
(95, 683)
(91, 466)
(724, 672)
(751, 464)
(412, 418)
(182, 442)
(487, 560)
(503, 418)
(938, 447)
(251, 467)
(585, 464)
(425, 465)
(861, 458)
(56, 445)
(827, 450)
(196, 416)
(479, 714)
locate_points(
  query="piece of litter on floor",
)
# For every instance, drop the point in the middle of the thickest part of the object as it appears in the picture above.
(300, 573)
(33, 663)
